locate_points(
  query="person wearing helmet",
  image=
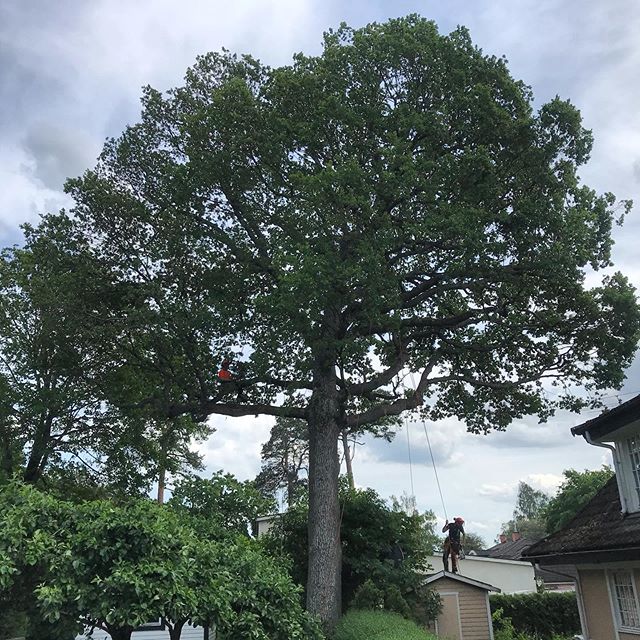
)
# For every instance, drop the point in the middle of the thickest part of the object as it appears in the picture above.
(229, 381)
(453, 543)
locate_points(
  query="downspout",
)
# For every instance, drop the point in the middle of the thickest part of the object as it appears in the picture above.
(581, 611)
(616, 463)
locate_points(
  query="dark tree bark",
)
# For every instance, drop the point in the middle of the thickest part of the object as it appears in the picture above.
(175, 629)
(325, 552)
(120, 633)
(162, 474)
(39, 451)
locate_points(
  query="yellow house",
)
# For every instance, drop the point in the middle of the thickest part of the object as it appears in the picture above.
(602, 541)
(466, 614)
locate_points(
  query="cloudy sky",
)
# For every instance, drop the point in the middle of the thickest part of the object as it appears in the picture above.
(70, 76)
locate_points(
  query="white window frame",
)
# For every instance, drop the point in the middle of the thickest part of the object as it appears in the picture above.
(155, 625)
(630, 483)
(611, 574)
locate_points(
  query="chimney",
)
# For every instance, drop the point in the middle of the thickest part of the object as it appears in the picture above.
(515, 536)
(503, 538)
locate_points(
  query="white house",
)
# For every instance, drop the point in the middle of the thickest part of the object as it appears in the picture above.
(509, 576)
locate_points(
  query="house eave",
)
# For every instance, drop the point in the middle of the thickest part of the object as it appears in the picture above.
(595, 556)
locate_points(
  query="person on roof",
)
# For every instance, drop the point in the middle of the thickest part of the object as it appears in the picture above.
(453, 543)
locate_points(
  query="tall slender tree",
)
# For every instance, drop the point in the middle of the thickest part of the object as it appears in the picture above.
(392, 205)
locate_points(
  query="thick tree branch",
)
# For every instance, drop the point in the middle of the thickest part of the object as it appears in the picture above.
(382, 378)
(234, 409)
(394, 408)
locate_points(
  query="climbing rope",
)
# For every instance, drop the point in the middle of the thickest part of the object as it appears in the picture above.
(433, 461)
(406, 426)
(435, 469)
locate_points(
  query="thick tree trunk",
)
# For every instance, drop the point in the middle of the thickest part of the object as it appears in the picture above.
(119, 633)
(39, 451)
(347, 459)
(325, 553)
(162, 476)
(175, 629)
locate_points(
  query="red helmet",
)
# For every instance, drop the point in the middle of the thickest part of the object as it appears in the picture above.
(459, 520)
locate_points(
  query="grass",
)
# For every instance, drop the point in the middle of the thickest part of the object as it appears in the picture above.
(359, 624)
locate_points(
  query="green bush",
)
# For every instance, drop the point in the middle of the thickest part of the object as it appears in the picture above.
(539, 616)
(378, 625)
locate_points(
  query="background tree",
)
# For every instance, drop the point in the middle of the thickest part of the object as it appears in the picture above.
(285, 459)
(392, 205)
(473, 542)
(220, 505)
(54, 364)
(577, 489)
(529, 513)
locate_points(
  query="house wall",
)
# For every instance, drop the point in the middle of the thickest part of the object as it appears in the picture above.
(510, 576)
(473, 605)
(188, 633)
(597, 606)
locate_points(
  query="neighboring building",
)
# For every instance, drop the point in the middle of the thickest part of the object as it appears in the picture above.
(510, 576)
(466, 614)
(562, 578)
(602, 541)
(509, 548)
(264, 523)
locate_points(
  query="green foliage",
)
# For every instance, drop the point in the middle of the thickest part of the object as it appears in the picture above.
(368, 596)
(369, 532)
(219, 506)
(577, 489)
(54, 365)
(118, 566)
(537, 615)
(503, 628)
(378, 625)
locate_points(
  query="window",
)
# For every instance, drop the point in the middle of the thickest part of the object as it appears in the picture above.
(625, 600)
(633, 449)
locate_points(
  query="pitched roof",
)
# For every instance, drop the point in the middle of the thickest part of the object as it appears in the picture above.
(510, 550)
(561, 573)
(610, 420)
(598, 527)
(456, 576)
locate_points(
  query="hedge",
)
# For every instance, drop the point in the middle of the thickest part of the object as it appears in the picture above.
(360, 624)
(540, 615)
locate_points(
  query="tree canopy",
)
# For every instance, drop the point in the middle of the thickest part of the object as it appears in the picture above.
(528, 514)
(577, 489)
(392, 205)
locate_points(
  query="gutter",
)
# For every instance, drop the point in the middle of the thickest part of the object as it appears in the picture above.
(616, 463)
(533, 559)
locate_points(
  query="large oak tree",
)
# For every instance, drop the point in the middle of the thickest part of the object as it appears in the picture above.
(392, 205)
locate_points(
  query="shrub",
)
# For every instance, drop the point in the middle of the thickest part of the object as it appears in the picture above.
(378, 625)
(539, 615)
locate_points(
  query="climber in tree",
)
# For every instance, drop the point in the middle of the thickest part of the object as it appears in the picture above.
(229, 381)
(453, 543)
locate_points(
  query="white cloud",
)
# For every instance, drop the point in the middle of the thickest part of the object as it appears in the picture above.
(505, 491)
(547, 482)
